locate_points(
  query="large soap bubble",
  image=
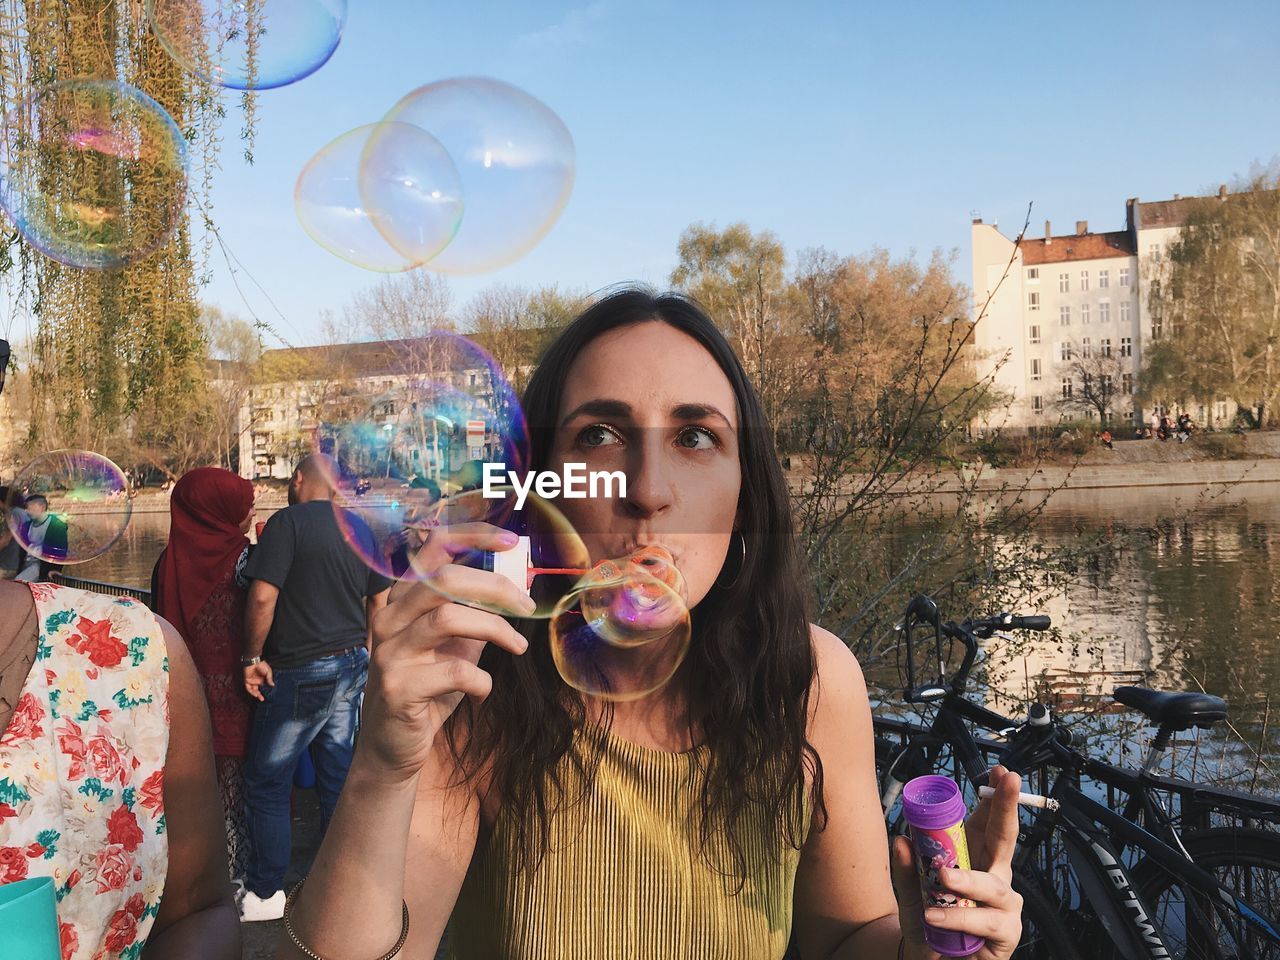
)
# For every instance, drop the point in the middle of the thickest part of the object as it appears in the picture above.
(68, 506)
(249, 44)
(93, 172)
(375, 183)
(516, 161)
(445, 410)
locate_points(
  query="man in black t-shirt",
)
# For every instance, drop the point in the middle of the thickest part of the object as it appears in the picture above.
(306, 659)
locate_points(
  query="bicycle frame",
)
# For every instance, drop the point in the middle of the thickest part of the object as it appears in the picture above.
(1090, 831)
(1105, 881)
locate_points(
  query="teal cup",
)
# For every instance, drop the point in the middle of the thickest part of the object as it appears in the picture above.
(29, 920)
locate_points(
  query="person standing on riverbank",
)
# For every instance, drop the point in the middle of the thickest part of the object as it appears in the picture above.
(44, 535)
(198, 585)
(306, 658)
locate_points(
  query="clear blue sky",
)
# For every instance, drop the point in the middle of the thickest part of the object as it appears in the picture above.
(843, 124)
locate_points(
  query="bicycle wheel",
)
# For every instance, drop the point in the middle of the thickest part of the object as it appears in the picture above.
(1044, 934)
(1245, 861)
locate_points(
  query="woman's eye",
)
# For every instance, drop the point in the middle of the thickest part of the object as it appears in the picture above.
(597, 436)
(697, 438)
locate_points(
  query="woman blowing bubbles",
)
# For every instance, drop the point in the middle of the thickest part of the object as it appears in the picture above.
(716, 817)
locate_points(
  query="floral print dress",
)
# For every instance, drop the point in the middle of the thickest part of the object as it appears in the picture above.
(82, 770)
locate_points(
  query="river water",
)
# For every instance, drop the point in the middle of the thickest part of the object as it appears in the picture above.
(1189, 601)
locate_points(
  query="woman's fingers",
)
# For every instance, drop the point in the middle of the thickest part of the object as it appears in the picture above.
(430, 634)
(986, 888)
(448, 542)
(452, 582)
(433, 680)
(1000, 926)
(1001, 834)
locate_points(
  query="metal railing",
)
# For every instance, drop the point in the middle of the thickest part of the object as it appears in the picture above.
(98, 586)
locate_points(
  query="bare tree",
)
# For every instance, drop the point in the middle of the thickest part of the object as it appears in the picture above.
(1092, 379)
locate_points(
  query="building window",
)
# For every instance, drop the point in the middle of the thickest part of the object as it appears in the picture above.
(1084, 313)
(1107, 385)
(1104, 311)
(1037, 404)
(1064, 316)
(1126, 383)
(1033, 301)
(1066, 388)
(1086, 348)
(1064, 350)
(1124, 276)
(1084, 281)
(1222, 409)
(1153, 250)
(1104, 348)
(1033, 274)
(1124, 311)
(1157, 328)
(1104, 279)
(1126, 346)
(1035, 369)
(1033, 333)
(1064, 283)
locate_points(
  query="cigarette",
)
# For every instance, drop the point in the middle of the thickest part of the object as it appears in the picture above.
(1024, 799)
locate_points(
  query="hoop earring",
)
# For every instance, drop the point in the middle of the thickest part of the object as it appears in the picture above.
(741, 563)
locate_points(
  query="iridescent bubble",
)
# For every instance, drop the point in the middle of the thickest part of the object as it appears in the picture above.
(445, 411)
(93, 173)
(621, 633)
(249, 44)
(516, 161)
(68, 506)
(377, 182)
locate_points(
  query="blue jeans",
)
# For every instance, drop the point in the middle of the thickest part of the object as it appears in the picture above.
(314, 705)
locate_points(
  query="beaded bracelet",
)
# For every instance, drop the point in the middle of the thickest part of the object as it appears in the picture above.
(293, 936)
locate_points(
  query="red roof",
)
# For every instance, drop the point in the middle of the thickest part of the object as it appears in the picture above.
(1086, 246)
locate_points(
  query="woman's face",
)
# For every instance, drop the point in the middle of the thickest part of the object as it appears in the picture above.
(649, 401)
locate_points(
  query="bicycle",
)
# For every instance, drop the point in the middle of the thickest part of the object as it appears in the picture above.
(1147, 885)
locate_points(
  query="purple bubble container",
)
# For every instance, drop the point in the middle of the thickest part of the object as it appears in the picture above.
(935, 810)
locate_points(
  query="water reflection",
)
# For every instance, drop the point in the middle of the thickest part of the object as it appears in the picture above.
(1184, 598)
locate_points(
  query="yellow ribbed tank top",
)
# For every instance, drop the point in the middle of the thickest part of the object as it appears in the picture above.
(623, 877)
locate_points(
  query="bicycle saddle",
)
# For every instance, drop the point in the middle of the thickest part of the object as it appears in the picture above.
(1179, 710)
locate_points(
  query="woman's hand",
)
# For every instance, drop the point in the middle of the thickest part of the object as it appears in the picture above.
(426, 649)
(992, 833)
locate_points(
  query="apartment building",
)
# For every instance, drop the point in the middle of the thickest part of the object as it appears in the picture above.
(1053, 299)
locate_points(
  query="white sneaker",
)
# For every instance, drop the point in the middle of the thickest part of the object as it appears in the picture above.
(253, 908)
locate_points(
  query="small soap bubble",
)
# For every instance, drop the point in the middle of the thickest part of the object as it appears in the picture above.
(621, 633)
(93, 173)
(516, 161)
(378, 183)
(68, 506)
(249, 44)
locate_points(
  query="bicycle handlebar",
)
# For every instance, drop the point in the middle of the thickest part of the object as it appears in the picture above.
(924, 610)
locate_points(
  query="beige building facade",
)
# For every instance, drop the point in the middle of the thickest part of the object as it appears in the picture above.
(1053, 299)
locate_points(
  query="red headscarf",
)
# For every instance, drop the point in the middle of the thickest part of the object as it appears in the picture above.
(207, 507)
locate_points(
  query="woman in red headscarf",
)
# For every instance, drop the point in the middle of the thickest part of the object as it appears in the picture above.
(197, 586)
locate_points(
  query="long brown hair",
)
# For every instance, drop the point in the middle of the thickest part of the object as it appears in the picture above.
(750, 665)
